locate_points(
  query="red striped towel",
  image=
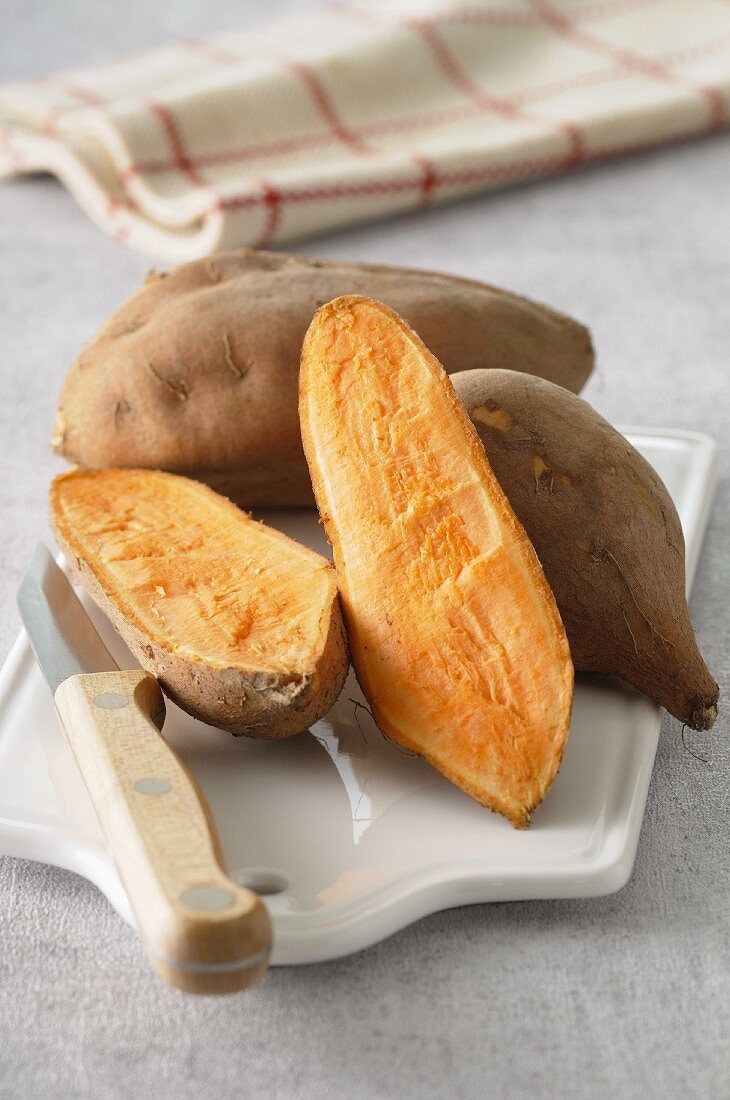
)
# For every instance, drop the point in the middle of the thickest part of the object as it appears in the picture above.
(359, 110)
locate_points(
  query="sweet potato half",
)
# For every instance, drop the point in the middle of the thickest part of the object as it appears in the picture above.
(240, 624)
(606, 532)
(197, 372)
(455, 635)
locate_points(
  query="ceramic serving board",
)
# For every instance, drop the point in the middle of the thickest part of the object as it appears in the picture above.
(346, 836)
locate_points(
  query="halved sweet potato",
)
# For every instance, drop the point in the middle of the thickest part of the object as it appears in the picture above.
(240, 624)
(456, 638)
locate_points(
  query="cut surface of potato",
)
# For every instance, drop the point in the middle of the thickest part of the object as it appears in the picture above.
(456, 639)
(240, 623)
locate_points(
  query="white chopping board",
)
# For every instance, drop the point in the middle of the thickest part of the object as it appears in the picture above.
(349, 838)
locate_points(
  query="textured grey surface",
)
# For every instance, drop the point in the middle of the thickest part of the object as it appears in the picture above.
(620, 997)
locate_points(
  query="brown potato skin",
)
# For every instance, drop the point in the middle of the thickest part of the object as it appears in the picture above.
(197, 372)
(606, 532)
(246, 703)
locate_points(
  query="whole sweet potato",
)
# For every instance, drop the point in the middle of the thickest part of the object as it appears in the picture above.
(197, 372)
(606, 532)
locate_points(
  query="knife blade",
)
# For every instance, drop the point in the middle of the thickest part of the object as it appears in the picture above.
(202, 932)
(62, 635)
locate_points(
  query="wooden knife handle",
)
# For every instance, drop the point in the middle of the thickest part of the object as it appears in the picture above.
(202, 932)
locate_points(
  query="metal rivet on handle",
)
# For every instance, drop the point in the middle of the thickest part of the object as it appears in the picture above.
(152, 786)
(110, 700)
(207, 898)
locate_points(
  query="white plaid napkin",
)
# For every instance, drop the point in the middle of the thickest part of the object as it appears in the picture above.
(359, 110)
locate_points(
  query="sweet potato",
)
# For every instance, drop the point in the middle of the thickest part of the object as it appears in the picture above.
(240, 624)
(456, 639)
(606, 532)
(197, 372)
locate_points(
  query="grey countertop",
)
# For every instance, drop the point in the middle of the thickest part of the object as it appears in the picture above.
(624, 996)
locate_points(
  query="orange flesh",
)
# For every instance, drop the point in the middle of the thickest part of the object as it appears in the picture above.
(195, 573)
(456, 639)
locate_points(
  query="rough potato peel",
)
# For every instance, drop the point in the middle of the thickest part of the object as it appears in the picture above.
(197, 372)
(606, 531)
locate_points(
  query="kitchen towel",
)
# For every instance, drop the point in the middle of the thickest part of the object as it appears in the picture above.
(354, 111)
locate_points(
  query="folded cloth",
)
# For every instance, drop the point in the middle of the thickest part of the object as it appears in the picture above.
(359, 110)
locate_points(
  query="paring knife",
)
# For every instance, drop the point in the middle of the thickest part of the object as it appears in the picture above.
(202, 932)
